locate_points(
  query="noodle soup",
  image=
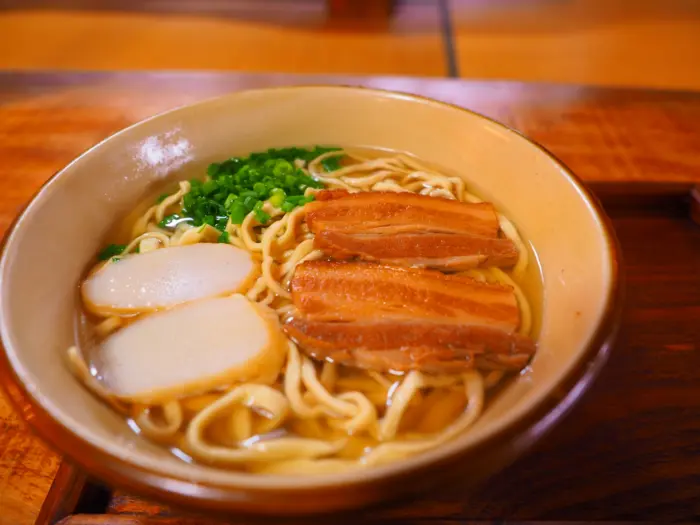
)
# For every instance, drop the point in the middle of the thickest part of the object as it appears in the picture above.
(308, 310)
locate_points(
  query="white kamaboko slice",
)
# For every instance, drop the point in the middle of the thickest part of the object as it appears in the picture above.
(193, 348)
(167, 277)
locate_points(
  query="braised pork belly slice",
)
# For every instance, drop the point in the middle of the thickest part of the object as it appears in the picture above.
(411, 344)
(358, 291)
(329, 195)
(409, 230)
(444, 251)
(389, 212)
(391, 318)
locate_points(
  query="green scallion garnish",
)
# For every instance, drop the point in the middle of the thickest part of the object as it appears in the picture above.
(241, 185)
(111, 251)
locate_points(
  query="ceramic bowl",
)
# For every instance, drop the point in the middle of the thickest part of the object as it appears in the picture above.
(49, 246)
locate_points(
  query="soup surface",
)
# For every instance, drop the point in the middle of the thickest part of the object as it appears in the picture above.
(307, 310)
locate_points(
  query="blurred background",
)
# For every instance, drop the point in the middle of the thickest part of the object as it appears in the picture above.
(646, 43)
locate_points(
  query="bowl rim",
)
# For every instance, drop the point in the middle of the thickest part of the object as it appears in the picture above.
(532, 423)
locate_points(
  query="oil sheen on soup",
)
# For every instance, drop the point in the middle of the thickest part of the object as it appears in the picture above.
(308, 310)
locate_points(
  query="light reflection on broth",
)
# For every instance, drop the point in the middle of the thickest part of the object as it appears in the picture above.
(310, 415)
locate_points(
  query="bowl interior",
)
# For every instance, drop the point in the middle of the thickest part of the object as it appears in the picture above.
(67, 223)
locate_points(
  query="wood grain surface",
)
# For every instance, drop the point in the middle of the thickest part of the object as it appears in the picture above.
(604, 42)
(629, 451)
(299, 36)
(67, 489)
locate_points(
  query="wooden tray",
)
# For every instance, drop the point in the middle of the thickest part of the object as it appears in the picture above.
(616, 456)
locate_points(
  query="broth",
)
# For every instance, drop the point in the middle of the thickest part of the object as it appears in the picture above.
(437, 402)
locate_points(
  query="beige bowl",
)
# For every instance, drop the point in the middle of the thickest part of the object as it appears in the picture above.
(52, 241)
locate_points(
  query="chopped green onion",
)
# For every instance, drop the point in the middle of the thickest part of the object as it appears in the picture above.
(237, 213)
(111, 251)
(250, 202)
(295, 199)
(262, 216)
(229, 200)
(209, 187)
(188, 201)
(282, 168)
(223, 238)
(213, 169)
(277, 197)
(331, 163)
(168, 220)
(240, 185)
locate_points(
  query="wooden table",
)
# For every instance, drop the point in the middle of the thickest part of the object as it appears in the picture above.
(367, 10)
(630, 450)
